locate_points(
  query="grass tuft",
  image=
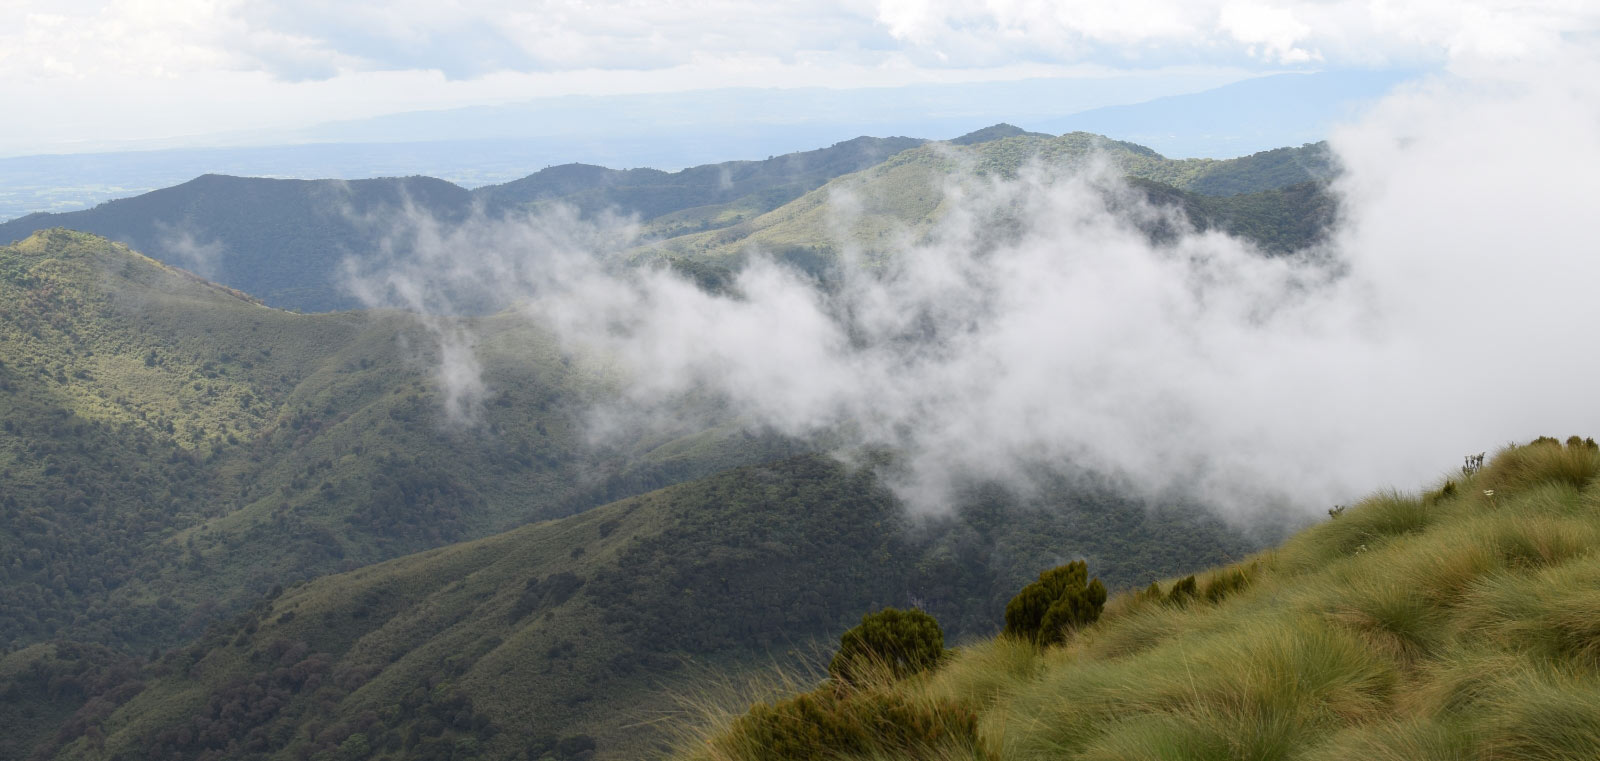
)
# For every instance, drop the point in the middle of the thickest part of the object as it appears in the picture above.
(1575, 463)
(1361, 528)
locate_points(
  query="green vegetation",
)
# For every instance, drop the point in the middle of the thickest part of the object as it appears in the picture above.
(171, 449)
(1062, 601)
(573, 628)
(1457, 624)
(904, 642)
(833, 723)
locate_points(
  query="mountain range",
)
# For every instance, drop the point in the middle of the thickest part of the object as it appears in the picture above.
(238, 531)
(287, 241)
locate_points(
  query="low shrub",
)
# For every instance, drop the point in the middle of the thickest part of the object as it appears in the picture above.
(1061, 601)
(829, 723)
(1224, 583)
(1183, 590)
(893, 642)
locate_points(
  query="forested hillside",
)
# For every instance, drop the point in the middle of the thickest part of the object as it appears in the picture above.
(573, 634)
(171, 447)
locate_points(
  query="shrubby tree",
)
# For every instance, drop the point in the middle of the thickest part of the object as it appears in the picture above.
(1183, 590)
(1062, 600)
(904, 642)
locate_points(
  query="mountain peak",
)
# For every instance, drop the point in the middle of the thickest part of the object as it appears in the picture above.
(995, 132)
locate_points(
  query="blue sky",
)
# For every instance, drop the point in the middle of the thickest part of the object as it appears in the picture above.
(90, 74)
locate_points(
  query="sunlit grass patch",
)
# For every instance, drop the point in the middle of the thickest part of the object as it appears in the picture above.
(1392, 616)
(1554, 613)
(1262, 676)
(986, 672)
(1544, 715)
(1402, 740)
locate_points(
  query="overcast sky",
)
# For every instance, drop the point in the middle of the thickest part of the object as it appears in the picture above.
(83, 71)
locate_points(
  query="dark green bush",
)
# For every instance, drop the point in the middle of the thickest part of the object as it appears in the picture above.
(1063, 599)
(1225, 583)
(828, 724)
(1443, 493)
(1151, 593)
(902, 642)
(1183, 590)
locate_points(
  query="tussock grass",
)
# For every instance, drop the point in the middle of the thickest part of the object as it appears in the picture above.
(1459, 624)
(1392, 617)
(1364, 527)
(1546, 460)
(1548, 715)
(986, 672)
(1554, 613)
(1254, 685)
(1403, 740)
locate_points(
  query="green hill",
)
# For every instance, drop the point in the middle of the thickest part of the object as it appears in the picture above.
(702, 192)
(582, 629)
(1458, 623)
(1276, 199)
(279, 240)
(171, 448)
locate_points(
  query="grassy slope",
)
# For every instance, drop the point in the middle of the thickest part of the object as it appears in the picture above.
(170, 447)
(1455, 624)
(581, 626)
(1268, 197)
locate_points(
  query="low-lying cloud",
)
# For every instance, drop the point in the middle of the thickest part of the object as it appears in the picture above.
(1038, 324)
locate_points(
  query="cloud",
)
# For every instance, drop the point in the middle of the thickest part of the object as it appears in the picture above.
(202, 257)
(298, 39)
(1037, 324)
(1141, 32)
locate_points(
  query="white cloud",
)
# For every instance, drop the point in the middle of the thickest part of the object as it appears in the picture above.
(168, 68)
(1272, 33)
(299, 39)
(1340, 32)
(1035, 325)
